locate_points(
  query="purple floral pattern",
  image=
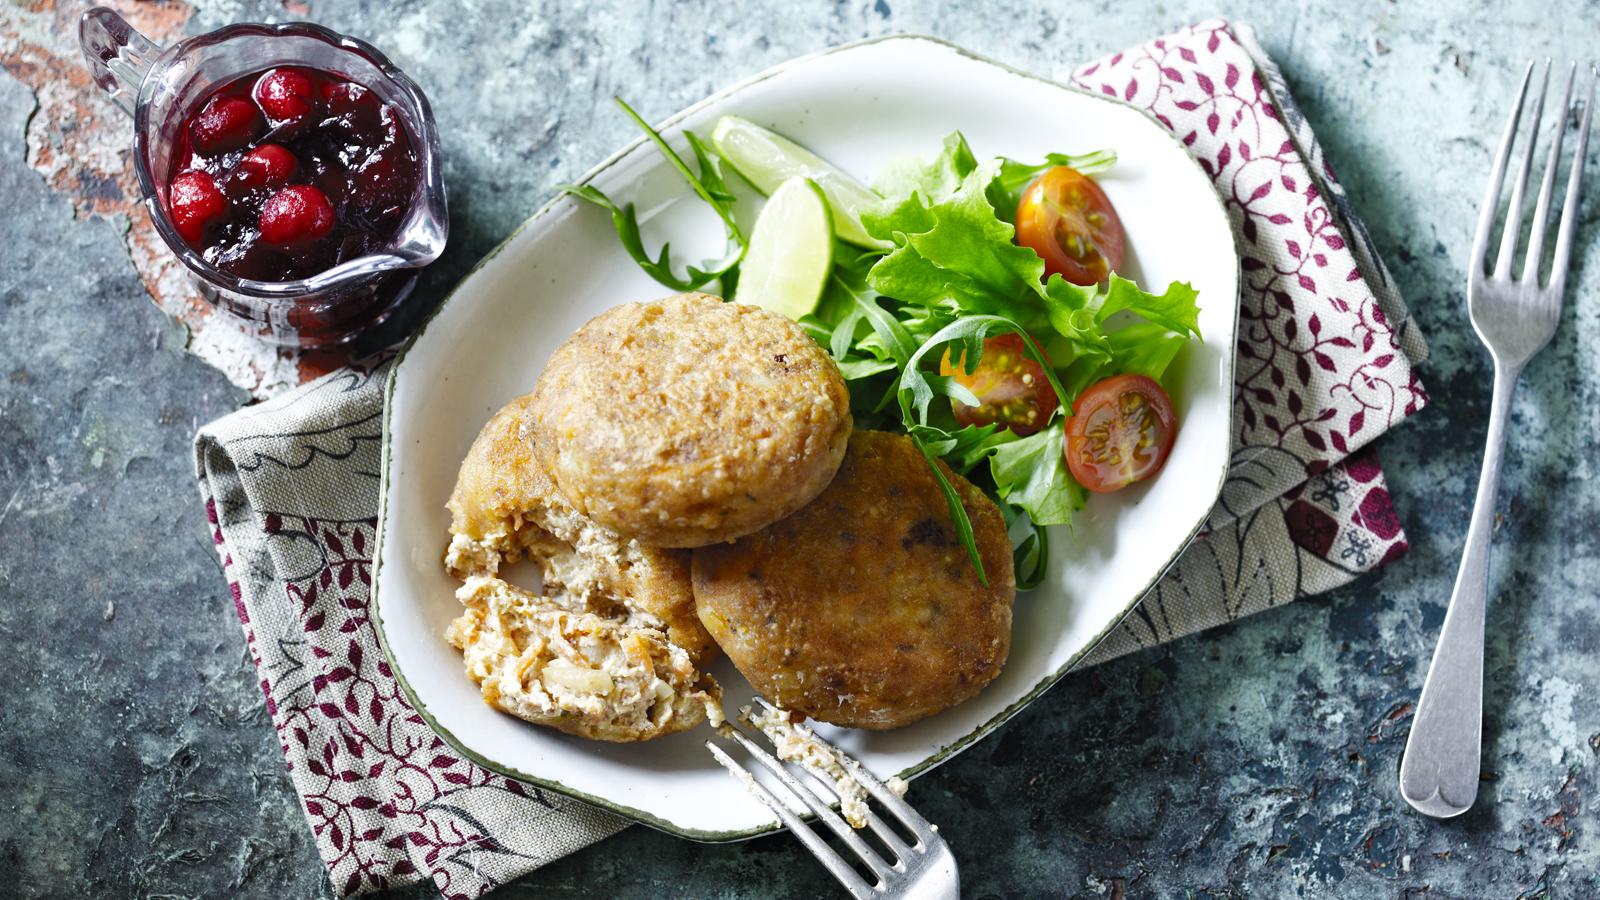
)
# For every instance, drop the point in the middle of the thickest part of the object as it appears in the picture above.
(1320, 369)
(381, 790)
(1325, 357)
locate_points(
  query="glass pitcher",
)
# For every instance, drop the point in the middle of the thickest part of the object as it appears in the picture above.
(160, 86)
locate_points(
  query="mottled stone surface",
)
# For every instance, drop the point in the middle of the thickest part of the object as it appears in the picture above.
(136, 756)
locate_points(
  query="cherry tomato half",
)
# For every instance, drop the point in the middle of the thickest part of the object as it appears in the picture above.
(1066, 219)
(1122, 432)
(1012, 388)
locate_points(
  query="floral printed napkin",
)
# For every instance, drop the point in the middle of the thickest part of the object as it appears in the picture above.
(1325, 364)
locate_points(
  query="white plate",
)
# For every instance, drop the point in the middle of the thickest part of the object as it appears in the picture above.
(857, 106)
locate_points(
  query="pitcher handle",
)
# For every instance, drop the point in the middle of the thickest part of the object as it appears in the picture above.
(118, 57)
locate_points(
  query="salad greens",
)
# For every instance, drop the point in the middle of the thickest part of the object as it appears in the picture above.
(948, 275)
(709, 186)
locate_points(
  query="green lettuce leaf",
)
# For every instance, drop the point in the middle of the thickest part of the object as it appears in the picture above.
(956, 254)
(1086, 352)
(1031, 474)
(1071, 310)
(1144, 349)
(1005, 192)
(935, 180)
(1174, 310)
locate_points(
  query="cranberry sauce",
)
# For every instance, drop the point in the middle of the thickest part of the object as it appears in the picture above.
(289, 172)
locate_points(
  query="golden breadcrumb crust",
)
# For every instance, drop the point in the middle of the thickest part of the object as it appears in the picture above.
(688, 421)
(504, 507)
(611, 649)
(862, 609)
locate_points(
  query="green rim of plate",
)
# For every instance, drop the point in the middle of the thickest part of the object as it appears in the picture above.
(944, 753)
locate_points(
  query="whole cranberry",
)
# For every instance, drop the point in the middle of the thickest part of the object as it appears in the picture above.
(287, 96)
(225, 123)
(266, 165)
(195, 204)
(295, 217)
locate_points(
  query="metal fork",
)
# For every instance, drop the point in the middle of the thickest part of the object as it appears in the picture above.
(1515, 319)
(921, 869)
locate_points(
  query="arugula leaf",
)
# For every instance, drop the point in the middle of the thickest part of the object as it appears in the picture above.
(856, 369)
(965, 447)
(709, 185)
(1006, 190)
(1030, 547)
(917, 388)
(891, 332)
(958, 513)
(916, 392)
(837, 312)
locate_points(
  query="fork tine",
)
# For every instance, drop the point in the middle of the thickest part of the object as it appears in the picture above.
(879, 828)
(854, 883)
(1541, 212)
(1491, 198)
(1513, 226)
(891, 801)
(816, 804)
(890, 838)
(1569, 209)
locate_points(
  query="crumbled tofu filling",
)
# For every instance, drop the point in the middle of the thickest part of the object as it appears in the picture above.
(796, 744)
(465, 555)
(537, 659)
(580, 655)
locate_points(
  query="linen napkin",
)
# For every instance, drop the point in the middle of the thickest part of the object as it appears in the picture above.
(1325, 363)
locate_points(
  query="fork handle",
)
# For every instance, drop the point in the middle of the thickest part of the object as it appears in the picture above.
(1439, 774)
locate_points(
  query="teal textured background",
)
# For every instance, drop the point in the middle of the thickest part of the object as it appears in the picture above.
(1259, 759)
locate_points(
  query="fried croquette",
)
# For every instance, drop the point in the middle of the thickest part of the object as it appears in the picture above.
(689, 421)
(612, 649)
(504, 508)
(863, 609)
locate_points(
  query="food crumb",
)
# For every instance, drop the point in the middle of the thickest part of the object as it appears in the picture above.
(796, 744)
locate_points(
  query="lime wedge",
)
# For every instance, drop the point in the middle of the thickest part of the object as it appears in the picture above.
(790, 253)
(767, 159)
